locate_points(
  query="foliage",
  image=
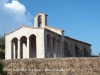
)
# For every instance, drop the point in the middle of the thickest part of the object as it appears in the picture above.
(99, 54)
(1, 69)
(1, 50)
(2, 43)
(2, 47)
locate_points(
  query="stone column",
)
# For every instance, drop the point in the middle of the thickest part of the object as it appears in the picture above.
(50, 43)
(62, 44)
(14, 50)
(18, 49)
(55, 50)
(11, 50)
(58, 52)
(28, 45)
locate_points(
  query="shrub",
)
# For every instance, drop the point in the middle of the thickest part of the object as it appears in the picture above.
(1, 69)
(1, 50)
(2, 54)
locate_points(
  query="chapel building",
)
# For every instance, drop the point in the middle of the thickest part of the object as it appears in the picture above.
(42, 41)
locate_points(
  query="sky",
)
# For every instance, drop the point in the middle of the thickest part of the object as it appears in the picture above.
(80, 19)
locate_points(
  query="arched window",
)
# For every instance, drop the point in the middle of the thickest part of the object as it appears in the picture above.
(85, 52)
(67, 51)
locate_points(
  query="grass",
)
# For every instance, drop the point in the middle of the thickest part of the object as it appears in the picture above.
(74, 66)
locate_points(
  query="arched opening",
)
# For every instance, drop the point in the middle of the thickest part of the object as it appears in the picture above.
(23, 48)
(48, 46)
(32, 48)
(14, 48)
(85, 52)
(54, 48)
(59, 48)
(76, 50)
(39, 21)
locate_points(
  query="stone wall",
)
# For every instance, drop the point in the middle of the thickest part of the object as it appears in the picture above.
(80, 45)
(51, 66)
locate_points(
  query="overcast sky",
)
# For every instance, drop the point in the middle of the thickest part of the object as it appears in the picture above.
(79, 18)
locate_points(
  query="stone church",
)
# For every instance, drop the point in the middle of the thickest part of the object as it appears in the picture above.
(42, 41)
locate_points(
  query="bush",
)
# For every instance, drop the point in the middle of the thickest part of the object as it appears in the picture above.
(2, 54)
(1, 69)
(1, 50)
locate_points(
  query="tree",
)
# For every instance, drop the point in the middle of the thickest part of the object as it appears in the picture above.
(2, 47)
(99, 54)
(2, 42)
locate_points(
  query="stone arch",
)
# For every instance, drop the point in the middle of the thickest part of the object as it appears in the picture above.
(32, 46)
(48, 46)
(54, 46)
(14, 48)
(23, 47)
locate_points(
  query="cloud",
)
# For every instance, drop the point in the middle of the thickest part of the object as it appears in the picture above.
(18, 11)
(15, 7)
(2, 2)
(12, 15)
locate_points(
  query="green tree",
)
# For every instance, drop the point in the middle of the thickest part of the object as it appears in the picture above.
(1, 69)
(2, 42)
(1, 50)
(2, 47)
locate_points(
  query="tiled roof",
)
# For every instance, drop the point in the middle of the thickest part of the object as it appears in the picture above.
(23, 26)
(77, 40)
(55, 28)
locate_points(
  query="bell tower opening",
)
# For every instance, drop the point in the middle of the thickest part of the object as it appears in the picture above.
(40, 20)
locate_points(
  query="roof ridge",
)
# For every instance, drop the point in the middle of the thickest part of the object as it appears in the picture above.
(55, 28)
